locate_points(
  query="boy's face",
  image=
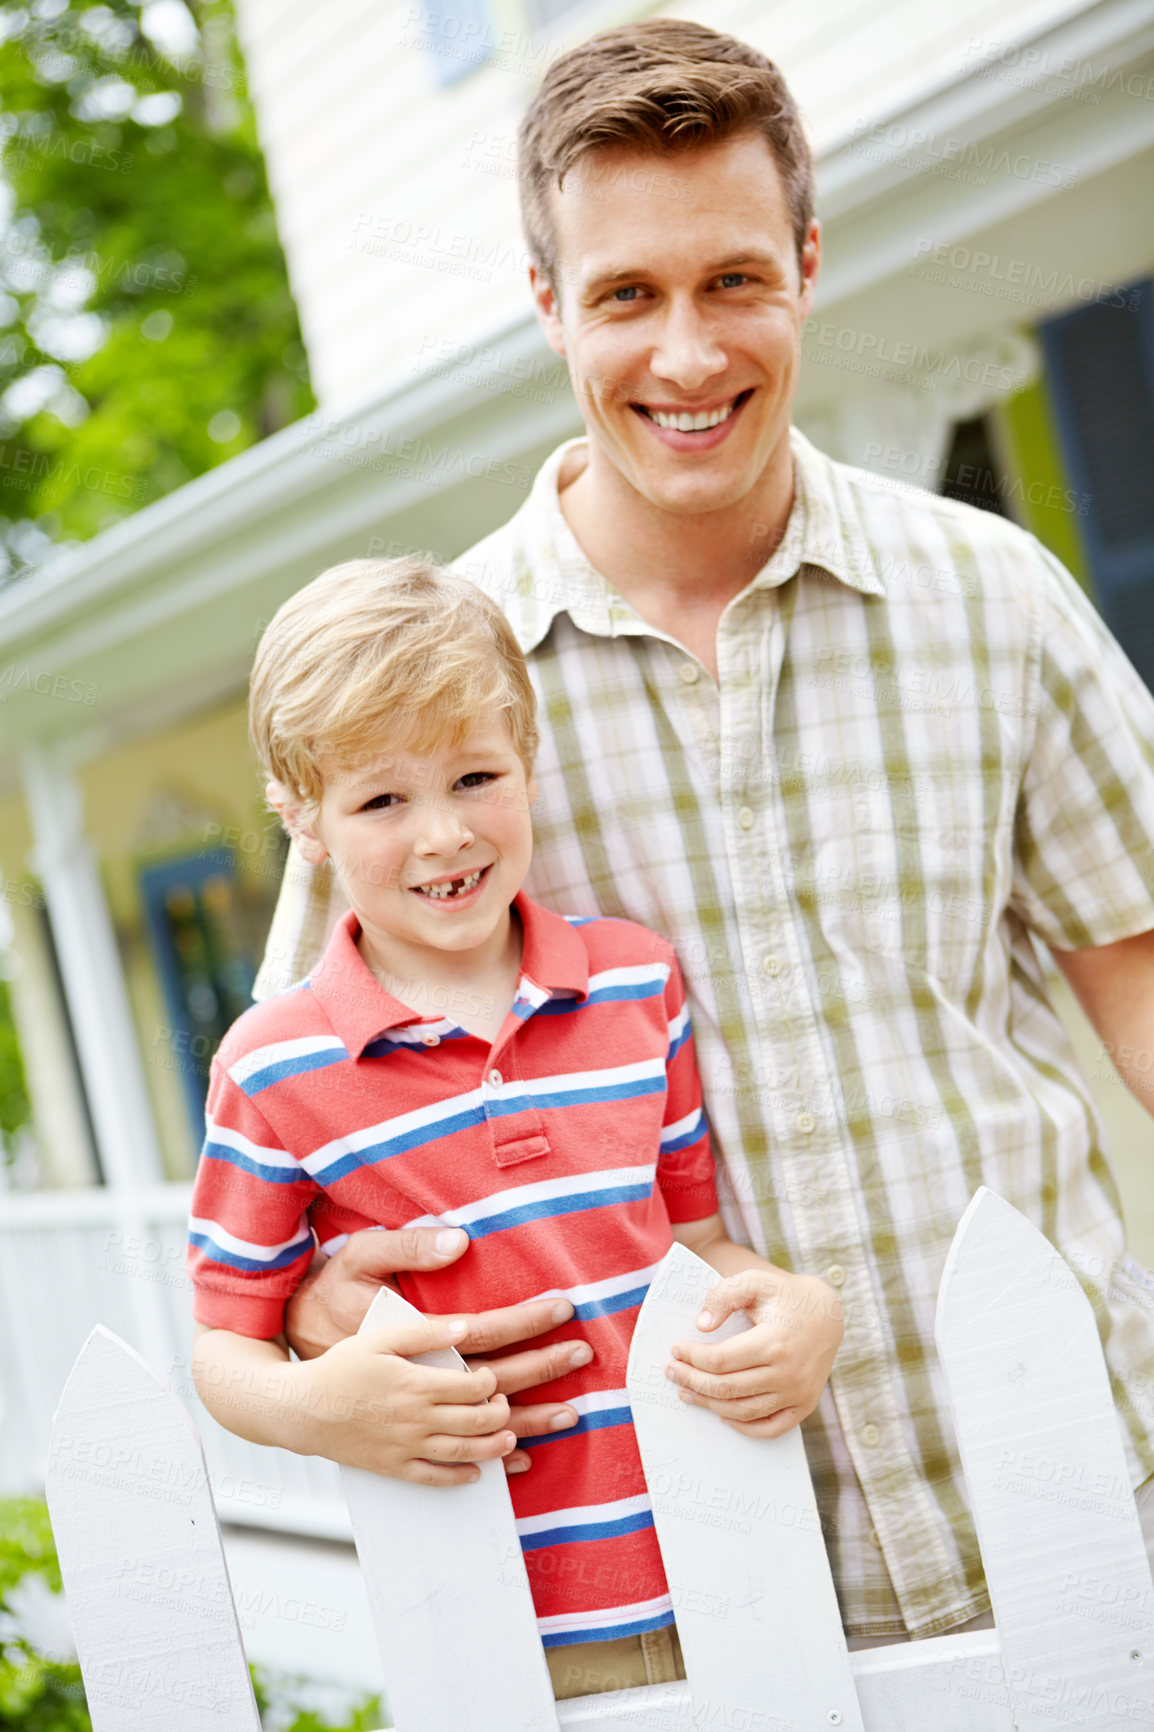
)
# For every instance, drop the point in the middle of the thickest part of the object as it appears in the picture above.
(680, 294)
(430, 847)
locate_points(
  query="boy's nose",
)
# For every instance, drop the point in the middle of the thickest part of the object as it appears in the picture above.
(442, 831)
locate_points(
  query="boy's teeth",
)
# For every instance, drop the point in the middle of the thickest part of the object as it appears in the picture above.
(456, 887)
(687, 423)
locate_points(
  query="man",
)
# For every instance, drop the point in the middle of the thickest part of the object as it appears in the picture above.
(849, 748)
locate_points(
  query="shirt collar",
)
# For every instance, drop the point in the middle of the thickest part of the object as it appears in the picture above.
(358, 1007)
(552, 574)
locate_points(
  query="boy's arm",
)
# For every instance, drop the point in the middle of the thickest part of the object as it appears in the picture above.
(768, 1379)
(362, 1404)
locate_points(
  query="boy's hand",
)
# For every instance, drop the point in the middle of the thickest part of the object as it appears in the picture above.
(330, 1303)
(368, 1406)
(770, 1377)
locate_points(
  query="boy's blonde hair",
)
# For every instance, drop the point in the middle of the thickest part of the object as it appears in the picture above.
(382, 653)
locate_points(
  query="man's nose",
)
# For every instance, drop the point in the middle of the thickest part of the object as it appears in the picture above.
(687, 352)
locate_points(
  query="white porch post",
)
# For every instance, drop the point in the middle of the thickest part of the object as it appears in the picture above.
(92, 974)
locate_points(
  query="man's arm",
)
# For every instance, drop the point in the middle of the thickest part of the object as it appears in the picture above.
(1114, 984)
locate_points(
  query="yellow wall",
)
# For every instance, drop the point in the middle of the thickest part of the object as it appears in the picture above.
(195, 786)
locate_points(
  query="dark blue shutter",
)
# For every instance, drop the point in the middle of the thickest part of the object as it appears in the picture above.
(1100, 375)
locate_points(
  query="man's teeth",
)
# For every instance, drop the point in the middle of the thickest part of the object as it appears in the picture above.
(686, 423)
(456, 887)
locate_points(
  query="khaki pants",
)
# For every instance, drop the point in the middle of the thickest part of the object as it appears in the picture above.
(593, 1668)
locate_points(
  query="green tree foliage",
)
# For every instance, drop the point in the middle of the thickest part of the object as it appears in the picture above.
(14, 1107)
(147, 331)
(36, 1694)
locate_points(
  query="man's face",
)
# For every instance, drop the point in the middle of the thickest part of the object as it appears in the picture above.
(680, 296)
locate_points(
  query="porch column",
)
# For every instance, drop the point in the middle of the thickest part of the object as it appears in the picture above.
(90, 967)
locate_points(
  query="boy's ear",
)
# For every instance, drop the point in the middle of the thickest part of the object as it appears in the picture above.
(291, 812)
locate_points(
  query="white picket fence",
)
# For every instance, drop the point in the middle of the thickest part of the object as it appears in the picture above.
(160, 1647)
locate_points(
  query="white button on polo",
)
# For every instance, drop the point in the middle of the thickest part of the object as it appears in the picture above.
(745, 817)
(870, 1434)
(805, 1122)
(687, 673)
(835, 1275)
(430, 1040)
(496, 1078)
(772, 965)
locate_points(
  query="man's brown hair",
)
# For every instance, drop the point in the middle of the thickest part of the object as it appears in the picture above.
(659, 85)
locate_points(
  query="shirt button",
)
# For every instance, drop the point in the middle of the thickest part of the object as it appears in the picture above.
(805, 1122)
(687, 673)
(772, 965)
(872, 1537)
(496, 1078)
(430, 1040)
(870, 1434)
(745, 817)
(835, 1275)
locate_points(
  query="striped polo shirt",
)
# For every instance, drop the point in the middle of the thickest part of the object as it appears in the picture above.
(564, 1150)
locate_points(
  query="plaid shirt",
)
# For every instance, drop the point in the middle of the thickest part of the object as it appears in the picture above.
(923, 746)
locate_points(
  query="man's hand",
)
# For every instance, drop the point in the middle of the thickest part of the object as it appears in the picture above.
(768, 1379)
(331, 1302)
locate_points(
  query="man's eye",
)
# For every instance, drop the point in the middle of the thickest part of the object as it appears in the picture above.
(733, 279)
(629, 293)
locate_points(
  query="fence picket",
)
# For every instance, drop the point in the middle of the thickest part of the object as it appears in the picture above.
(140, 1551)
(448, 1591)
(740, 1537)
(1047, 1476)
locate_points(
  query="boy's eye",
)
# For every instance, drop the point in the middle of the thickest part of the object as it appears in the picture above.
(381, 802)
(476, 779)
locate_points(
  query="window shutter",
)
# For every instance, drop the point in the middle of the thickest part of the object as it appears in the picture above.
(1100, 372)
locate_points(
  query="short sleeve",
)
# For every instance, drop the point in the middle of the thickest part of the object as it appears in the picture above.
(685, 1162)
(250, 1242)
(1084, 837)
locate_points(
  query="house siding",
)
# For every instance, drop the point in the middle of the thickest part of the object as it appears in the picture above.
(396, 197)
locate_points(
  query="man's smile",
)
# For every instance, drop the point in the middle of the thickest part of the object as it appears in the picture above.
(696, 422)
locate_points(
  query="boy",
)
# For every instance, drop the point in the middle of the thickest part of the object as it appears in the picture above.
(464, 1057)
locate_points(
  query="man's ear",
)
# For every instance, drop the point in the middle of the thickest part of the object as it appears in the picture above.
(291, 811)
(810, 266)
(547, 309)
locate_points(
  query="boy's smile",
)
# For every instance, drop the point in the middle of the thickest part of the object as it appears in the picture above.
(431, 848)
(457, 889)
